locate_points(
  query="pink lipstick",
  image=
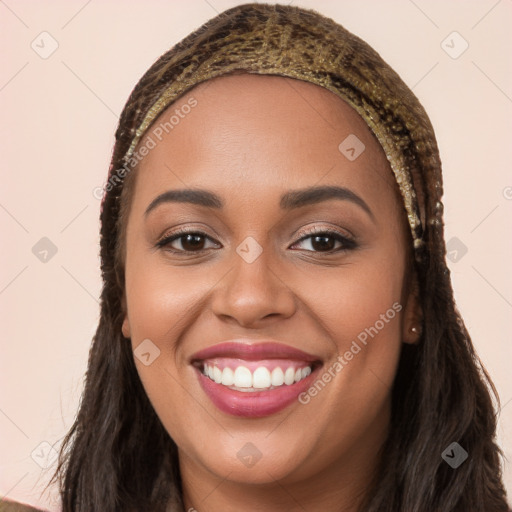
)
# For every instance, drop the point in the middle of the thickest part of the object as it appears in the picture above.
(248, 379)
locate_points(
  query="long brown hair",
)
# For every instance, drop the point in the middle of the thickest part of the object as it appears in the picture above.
(117, 456)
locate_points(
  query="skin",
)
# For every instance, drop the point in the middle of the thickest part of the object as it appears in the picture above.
(250, 139)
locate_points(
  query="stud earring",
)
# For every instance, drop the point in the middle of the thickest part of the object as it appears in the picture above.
(416, 330)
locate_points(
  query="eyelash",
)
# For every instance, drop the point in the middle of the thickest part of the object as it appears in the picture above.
(348, 243)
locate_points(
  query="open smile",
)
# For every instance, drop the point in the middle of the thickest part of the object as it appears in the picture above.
(254, 380)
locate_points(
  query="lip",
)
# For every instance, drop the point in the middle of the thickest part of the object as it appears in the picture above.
(254, 404)
(249, 350)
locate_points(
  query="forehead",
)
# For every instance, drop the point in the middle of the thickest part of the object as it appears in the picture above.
(254, 133)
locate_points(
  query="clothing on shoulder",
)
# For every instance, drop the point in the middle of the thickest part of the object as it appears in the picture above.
(15, 506)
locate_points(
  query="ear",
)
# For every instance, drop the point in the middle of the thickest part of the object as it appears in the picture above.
(126, 327)
(412, 320)
(126, 323)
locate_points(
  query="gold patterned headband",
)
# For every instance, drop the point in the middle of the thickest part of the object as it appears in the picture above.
(302, 44)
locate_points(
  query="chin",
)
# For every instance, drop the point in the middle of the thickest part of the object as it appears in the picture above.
(262, 458)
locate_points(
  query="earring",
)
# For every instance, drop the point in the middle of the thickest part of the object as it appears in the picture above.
(416, 330)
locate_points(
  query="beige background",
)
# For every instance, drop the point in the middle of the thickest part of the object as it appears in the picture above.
(58, 120)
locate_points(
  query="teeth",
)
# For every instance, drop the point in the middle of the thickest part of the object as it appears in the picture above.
(277, 377)
(305, 372)
(217, 375)
(289, 376)
(243, 377)
(228, 377)
(261, 378)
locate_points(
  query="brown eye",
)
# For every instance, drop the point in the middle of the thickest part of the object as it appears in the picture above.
(186, 241)
(322, 243)
(192, 241)
(325, 241)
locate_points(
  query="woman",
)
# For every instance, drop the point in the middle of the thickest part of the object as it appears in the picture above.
(309, 355)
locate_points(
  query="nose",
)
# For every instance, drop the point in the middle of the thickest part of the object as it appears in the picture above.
(251, 294)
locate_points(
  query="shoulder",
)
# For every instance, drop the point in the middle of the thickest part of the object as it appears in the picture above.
(14, 506)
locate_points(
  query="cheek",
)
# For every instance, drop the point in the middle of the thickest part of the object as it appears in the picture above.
(158, 302)
(359, 309)
(353, 298)
(158, 296)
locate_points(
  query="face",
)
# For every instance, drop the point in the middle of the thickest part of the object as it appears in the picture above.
(284, 281)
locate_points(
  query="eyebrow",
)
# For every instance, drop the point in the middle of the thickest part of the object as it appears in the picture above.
(289, 201)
